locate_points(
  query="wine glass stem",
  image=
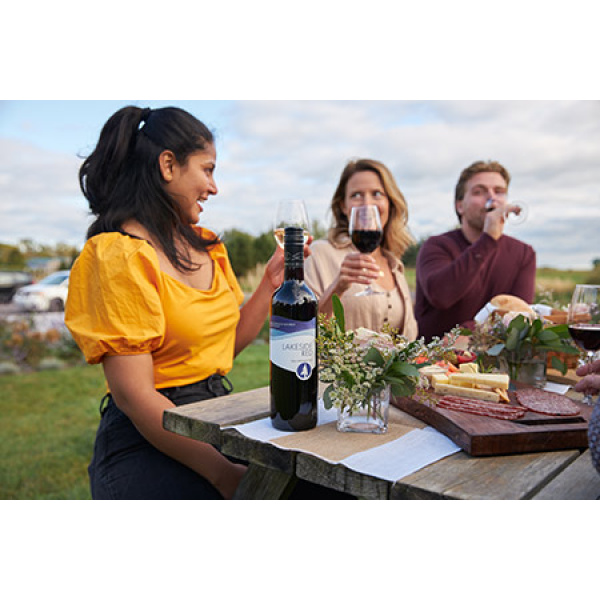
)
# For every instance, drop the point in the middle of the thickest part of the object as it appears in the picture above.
(589, 359)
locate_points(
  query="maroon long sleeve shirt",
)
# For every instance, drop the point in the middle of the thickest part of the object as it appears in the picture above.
(455, 278)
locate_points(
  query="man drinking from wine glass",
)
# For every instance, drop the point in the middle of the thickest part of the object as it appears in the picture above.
(459, 271)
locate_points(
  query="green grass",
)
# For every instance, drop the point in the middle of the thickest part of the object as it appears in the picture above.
(251, 368)
(47, 431)
(49, 420)
(556, 286)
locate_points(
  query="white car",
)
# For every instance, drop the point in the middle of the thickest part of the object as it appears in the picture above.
(49, 294)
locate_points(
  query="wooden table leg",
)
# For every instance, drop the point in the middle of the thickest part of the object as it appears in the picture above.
(262, 483)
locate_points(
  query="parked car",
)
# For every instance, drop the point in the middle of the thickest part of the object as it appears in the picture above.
(10, 282)
(49, 294)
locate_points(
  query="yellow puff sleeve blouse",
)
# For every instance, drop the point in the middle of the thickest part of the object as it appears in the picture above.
(121, 303)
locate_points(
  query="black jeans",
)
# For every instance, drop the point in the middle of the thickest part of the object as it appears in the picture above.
(125, 466)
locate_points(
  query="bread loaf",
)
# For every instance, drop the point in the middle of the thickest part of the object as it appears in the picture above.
(505, 303)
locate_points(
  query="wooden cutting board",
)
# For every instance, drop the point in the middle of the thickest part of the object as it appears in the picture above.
(569, 378)
(485, 436)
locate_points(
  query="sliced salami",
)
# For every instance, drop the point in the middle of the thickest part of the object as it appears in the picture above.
(481, 407)
(546, 403)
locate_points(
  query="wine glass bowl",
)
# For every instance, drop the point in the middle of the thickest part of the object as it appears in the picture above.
(366, 233)
(290, 213)
(583, 321)
(515, 212)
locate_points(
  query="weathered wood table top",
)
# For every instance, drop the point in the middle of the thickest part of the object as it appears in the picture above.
(566, 474)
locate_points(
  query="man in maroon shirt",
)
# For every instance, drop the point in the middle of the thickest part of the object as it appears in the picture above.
(458, 272)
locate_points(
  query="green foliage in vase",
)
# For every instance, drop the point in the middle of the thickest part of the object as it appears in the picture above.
(359, 363)
(524, 338)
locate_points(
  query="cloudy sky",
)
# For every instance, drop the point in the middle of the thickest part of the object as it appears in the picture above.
(272, 150)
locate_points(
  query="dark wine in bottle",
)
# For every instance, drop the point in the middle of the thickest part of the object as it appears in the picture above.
(293, 343)
(366, 240)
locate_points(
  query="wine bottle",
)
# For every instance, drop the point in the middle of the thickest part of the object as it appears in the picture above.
(292, 343)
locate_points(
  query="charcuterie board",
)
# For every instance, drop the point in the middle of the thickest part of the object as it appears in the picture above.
(486, 436)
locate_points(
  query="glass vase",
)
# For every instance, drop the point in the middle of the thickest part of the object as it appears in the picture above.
(366, 417)
(530, 370)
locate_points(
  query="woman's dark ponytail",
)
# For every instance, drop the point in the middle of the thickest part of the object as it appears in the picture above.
(103, 168)
(121, 178)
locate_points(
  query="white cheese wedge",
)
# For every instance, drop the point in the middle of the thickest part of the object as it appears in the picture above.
(438, 378)
(469, 368)
(457, 390)
(431, 370)
(492, 380)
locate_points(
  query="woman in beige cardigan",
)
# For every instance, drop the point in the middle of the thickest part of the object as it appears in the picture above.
(336, 267)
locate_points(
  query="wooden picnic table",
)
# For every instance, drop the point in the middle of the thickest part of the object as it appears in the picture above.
(272, 471)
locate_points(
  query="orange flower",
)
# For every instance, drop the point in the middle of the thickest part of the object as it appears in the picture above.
(52, 335)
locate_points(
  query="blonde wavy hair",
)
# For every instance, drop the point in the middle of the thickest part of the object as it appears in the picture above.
(396, 236)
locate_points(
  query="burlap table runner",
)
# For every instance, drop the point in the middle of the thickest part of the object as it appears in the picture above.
(328, 443)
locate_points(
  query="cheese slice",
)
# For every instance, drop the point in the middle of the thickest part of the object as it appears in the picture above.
(503, 395)
(492, 380)
(431, 371)
(469, 368)
(438, 378)
(457, 390)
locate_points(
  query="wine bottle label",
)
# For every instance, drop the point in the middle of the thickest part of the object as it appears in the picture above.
(293, 345)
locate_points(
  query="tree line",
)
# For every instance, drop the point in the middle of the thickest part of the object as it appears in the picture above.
(245, 251)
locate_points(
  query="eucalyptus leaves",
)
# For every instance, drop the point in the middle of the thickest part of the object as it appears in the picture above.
(358, 364)
(523, 339)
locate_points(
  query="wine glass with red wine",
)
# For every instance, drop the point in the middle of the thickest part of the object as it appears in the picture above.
(366, 232)
(583, 321)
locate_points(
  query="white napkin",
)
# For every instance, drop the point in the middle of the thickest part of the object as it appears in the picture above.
(542, 309)
(484, 313)
(406, 455)
(263, 430)
(558, 388)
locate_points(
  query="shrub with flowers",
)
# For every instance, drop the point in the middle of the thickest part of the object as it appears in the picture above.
(360, 363)
(26, 347)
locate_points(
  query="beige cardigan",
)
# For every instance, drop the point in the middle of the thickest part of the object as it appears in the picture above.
(395, 306)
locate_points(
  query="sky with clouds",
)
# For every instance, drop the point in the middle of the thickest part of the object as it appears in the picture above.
(272, 150)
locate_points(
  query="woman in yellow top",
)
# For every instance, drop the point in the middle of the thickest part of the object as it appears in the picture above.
(154, 299)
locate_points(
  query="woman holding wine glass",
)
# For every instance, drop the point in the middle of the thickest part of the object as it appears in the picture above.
(337, 266)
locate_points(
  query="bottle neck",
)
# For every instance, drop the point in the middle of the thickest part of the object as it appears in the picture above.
(294, 273)
(294, 262)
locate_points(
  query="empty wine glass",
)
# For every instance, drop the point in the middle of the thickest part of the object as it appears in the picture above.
(583, 320)
(366, 232)
(290, 213)
(515, 213)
